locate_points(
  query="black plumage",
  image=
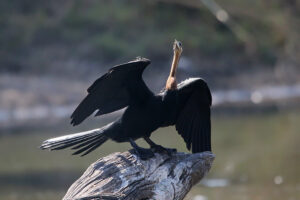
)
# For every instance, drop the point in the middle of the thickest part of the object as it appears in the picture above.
(187, 107)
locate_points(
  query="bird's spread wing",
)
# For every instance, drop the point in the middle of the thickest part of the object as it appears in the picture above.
(115, 90)
(193, 114)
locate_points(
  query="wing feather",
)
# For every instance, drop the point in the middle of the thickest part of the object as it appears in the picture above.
(193, 120)
(112, 91)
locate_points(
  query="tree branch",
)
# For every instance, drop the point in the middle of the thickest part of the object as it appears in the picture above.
(125, 176)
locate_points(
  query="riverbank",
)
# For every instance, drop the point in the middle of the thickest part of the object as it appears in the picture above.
(31, 101)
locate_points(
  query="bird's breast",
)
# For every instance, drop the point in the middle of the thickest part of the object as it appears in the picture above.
(169, 99)
(143, 118)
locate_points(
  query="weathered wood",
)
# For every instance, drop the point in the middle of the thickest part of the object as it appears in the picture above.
(124, 176)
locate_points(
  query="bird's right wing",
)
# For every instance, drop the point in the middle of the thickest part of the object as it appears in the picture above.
(115, 90)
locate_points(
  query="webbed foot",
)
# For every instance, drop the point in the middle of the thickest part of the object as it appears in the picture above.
(158, 148)
(143, 153)
(161, 149)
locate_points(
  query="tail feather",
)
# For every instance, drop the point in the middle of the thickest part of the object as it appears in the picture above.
(75, 142)
(89, 146)
(92, 149)
(60, 142)
(53, 142)
(84, 141)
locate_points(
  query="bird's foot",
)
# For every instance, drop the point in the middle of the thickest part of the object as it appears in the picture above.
(161, 149)
(143, 153)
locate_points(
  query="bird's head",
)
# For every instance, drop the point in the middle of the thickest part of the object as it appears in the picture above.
(177, 47)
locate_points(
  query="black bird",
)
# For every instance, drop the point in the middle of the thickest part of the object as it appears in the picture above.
(186, 105)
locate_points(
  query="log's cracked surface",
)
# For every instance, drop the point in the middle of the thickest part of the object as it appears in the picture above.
(125, 176)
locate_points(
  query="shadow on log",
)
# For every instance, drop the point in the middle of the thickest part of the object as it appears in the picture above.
(124, 176)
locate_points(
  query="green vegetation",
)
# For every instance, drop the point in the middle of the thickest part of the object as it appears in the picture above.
(111, 30)
(250, 152)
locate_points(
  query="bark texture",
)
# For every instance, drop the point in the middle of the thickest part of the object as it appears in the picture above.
(124, 176)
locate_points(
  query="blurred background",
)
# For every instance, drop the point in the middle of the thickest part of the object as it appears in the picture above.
(247, 51)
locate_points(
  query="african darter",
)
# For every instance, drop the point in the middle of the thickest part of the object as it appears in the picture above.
(186, 105)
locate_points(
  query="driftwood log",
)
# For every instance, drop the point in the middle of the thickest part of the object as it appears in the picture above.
(125, 176)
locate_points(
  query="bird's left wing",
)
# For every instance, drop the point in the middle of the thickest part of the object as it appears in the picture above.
(193, 114)
(115, 90)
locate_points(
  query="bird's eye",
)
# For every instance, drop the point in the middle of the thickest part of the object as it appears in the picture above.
(179, 43)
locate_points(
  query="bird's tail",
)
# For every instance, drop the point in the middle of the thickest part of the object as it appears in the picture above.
(83, 142)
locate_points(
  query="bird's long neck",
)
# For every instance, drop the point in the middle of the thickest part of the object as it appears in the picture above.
(171, 82)
(175, 62)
